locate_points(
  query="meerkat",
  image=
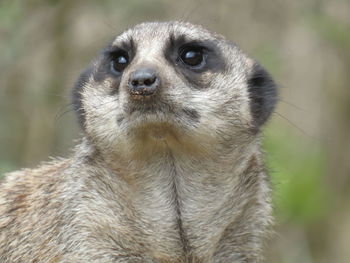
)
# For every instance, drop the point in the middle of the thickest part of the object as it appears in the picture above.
(170, 167)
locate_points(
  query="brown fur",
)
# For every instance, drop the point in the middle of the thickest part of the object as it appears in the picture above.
(184, 184)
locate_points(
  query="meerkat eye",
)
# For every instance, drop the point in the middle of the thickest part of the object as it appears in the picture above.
(119, 62)
(192, 56)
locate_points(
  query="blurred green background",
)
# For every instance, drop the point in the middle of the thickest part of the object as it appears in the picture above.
(304, 44)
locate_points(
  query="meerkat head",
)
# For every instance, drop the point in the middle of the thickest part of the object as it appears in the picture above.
(172, 84)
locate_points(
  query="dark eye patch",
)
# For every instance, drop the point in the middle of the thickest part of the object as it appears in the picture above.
(191, 57)
(121, 54)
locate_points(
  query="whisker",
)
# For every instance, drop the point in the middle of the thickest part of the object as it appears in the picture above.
(296, 126)
(63, 111)
(293, 105)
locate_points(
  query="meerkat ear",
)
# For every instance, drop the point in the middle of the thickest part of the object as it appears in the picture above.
(77, 94)
(262, 93)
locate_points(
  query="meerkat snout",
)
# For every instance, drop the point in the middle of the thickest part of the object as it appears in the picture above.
(144, 82)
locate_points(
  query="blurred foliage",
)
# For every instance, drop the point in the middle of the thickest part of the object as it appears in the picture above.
(332, 30)
(304, 44)
(298, 173)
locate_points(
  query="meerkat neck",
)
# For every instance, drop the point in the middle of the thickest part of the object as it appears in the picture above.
(161, 159)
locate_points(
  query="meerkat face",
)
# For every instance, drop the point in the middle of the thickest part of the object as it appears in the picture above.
(174, 82)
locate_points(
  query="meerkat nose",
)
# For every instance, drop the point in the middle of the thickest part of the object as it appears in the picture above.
(144, 82)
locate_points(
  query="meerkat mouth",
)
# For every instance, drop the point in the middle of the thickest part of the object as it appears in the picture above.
(160, 111)
(144, 111)
(145, 107)
(142, 97)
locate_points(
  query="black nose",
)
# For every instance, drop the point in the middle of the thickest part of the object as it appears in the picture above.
(143, 81)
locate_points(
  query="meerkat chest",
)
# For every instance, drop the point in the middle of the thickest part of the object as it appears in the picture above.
(171, 211)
